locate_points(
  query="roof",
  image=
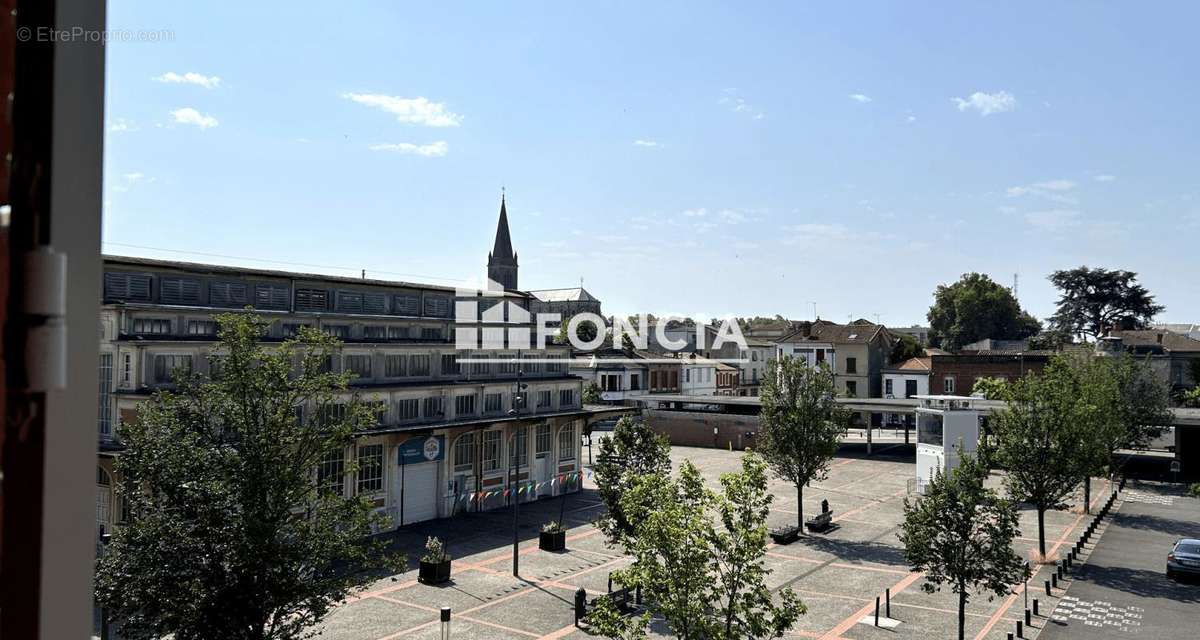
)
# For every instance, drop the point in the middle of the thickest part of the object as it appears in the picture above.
(502, 251)
(1169, 340)
(574, 294)
(858, 332)
(917, 365)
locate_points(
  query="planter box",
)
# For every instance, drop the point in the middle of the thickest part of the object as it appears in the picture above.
(785, 535)
(434, 572)
(552, 540)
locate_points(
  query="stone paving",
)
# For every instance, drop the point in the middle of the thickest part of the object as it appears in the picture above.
(838, 575)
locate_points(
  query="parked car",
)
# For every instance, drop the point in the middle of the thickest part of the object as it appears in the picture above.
(1184, 558)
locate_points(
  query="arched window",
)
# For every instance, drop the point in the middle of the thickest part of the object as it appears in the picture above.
(103, 497)
(568, 442)
(464, 453)
(518, 448)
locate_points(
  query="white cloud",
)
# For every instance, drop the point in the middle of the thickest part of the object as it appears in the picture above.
(859, 97)
(695, 213)
(134, 177)
(1053, 220)
(417, 110)
(647, 143)
(1104, 177)
(731, 217)
(739, 104)
(191, 77)
(987, 103)
(910, 119)
(1053, 190)
(433, 149)
(742, 244)
(121, 125)
(815, 232)
(188, 115)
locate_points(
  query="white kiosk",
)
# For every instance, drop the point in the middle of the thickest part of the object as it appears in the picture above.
(946, 425)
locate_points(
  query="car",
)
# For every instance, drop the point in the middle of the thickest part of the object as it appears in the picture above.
(1184, 558)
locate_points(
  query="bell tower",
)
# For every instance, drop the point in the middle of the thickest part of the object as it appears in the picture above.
(502, 262)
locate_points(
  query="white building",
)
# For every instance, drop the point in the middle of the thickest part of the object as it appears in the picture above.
(754, 365)
(906, 380)
(617, 373)
(699, 375)
(813, 351)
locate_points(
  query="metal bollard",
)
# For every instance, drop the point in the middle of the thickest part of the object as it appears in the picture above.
(1035, 607)
(1028, 617)
(1048, 588)
(637, 596)
(445, 623)
(888, 599)
(877, 611)
(580, 604)
(1020, 630)
(1054, 580)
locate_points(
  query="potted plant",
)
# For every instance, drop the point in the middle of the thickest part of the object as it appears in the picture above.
(435, 563)
(786, 534)
(553, 537)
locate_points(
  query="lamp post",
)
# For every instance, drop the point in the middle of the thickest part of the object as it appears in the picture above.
(517, 404)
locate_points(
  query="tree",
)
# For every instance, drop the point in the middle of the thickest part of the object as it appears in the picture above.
(991, 388)
(1094, 300)
(960, 534)
(591, 393)
(698, 557)
(633, 450)
(1190, 398)
(1038, 438)
(1143, 407)
(586, 331)
(906, 347)
(230, 537)
(801, 423)
(975, 308)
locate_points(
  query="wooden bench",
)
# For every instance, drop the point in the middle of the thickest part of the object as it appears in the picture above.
(820, 522)
(626, 599)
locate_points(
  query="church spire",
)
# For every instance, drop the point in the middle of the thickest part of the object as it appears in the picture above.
(502, 261)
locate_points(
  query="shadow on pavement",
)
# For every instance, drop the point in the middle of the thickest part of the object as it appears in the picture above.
(1140, 582)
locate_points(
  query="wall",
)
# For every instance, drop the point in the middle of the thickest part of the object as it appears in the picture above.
(967, 369)
(695, 428)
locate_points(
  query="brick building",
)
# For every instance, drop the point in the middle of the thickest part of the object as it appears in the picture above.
(955, 374)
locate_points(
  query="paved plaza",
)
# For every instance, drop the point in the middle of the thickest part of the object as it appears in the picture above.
(838, 575)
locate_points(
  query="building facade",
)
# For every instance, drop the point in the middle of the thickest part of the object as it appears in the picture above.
(905, 380)
(753, 366)
(564, 302)
(621, 376)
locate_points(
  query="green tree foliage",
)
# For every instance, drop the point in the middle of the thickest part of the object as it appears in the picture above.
(1143, 407)
(1042, 439)
(230, 537)
(960, 534)
(906, 347)
(1190, 398)
(991, 388)
(633, 450)
(800, 423)
(586, 331)
(699, 558)
(1092, 300)
(975, 308)
(591, 393)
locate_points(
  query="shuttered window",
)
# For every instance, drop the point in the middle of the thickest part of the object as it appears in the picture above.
(270, 296)
(437, 306)
(406, 305)
(349, 301)
(408, 409)
(312, 300)
(130, 287)
(227, 294)
(373, 302)
(433, 407)
(179, 291)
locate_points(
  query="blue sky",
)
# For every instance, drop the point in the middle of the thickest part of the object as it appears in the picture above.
(682, 157)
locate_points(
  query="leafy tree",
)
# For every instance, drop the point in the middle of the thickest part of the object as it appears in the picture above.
(1051, 339)
(975, 308)
(960, 534)
(1190, 398)
(591, 393)
(991, 388)
(1038, 439)
(698, 557)
(1143, 407)
(1092, 300)
(633, 450)
(801, 423)
(586, 331)
(906, 347)
(230, 537)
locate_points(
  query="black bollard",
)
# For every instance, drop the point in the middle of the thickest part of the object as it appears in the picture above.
(580, 605)
(1035, 607)
(888, 599)
(1020, 630)
(1010, 635)
(1048, 588)
(1054, 580)
(877, 611)
(1028, 616)
(637, 596)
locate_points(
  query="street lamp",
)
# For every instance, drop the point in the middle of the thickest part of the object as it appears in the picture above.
(518, 403)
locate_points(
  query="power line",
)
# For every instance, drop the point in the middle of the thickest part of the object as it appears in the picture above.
(280, 262)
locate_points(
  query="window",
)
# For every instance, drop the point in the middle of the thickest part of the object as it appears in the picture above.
(531, 366)
(331, 414)
(340, 331)
(673, 383)
(370, 468)
(359, 364)
(398, 333)
(406, 305)
(543, 399)
(431, 333)
(948, 384)
(395, 365)
(491, 450)
(331, 471)
(408, 409)
(312, 300)
(450, 364)
(635, 382)
(555, 364)
(271, 296)
(130, 287)
(653, 379)
(852, 388)
(507, 364)
(437, 306)
(106, 378)
(754, 356)
(202, 327)
(373, 302)
(290, 329)
(349, 301)
(687, 375)
(464, 452)
(127, 370)
(227, 294)
(610, 382)
(480, 366)
(151, 326)
(434, 407)
(418, 365)
(179, 290)
(851, 365)
(518, 449)
(566, 398)
(567, 443)
(541, 443)
(375, 332)
(103, 497)
(887, 387)
(166, 366)
(493, 403)
(464, 405)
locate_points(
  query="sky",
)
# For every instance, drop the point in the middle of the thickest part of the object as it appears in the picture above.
(678, 157)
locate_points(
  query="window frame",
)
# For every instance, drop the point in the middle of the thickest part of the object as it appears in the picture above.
(376, 477)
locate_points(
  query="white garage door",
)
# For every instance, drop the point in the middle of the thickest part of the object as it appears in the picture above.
(420, 491)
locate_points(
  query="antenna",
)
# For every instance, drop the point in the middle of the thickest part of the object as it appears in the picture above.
(877, 318)
(364, 274)
(1015, 277)
(814, 304)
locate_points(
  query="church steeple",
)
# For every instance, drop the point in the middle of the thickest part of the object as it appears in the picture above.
(502, 261)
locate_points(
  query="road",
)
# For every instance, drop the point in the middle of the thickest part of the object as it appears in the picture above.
(1122, 590)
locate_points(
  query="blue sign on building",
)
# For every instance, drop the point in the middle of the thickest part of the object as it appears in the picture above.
(418, 450)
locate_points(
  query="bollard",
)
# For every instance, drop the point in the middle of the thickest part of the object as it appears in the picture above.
(1020, 630)
(1028, 617)
(888, 599)
(445, 623)
(1010, 635)
(1054, 580)
(1058, 572)
(877, 611)
(637, 596)
(1048, 588)
(581, 604)
(1035, 606)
